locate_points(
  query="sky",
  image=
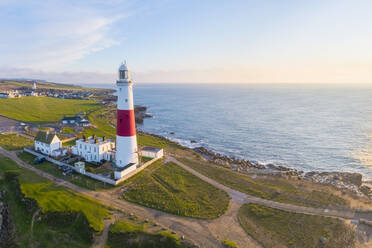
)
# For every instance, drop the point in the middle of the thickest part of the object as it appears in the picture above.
(188, 41)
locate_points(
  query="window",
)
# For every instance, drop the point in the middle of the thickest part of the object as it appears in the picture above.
(126, 100)
(123, 74)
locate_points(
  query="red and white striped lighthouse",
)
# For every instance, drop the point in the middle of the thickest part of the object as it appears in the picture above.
(126, 141)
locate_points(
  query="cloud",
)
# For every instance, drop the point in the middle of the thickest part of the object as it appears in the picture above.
(52, 33)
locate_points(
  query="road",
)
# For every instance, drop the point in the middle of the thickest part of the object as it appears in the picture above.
(205, 233)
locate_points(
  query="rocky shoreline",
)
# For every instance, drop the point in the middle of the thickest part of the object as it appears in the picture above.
(341, 180)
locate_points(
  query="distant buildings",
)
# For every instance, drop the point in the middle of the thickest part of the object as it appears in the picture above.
(6, 95)
(75, 120)
(94, 149)
(49, 144)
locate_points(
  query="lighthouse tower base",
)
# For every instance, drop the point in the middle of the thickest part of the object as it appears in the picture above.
(126, 151)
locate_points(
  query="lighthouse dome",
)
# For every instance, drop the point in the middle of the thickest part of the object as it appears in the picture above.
(123, 67)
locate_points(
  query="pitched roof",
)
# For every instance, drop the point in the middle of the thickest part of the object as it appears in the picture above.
(67, 118)
(45, 137)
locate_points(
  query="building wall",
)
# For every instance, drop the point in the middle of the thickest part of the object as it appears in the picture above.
(152, 154)
(120, 174)
(47, 149)
(93, 152)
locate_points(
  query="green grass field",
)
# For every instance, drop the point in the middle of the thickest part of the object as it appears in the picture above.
(68, 130)
(271, 188)
(14, 141)
(43, 109)
(135, 235)
(274, 228)
(169, 188)
(53, 198)
(102, 125)
(77, 179)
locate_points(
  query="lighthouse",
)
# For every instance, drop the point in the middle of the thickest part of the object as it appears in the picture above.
(126, 140)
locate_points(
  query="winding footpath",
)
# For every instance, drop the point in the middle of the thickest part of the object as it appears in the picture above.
(204, 233)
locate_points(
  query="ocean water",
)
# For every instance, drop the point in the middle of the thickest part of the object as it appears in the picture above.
(307, 127)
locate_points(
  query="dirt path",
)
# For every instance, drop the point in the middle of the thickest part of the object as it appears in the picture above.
(205, 233)
(34, 216)
(100, 240)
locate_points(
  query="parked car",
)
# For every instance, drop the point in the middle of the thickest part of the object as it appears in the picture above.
(39, 160)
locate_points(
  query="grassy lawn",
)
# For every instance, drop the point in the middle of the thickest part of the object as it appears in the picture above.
(135, 235)
(14, 141)
(63, 213)
(69, 143)
(68, 130)
(169, 188)
(44, 109)
(276, 228)
(77, 179)
(146, 159)
(271, 188)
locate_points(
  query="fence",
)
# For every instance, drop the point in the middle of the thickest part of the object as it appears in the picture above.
(91, 175)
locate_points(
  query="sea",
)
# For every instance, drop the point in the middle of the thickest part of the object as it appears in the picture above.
(309, 127)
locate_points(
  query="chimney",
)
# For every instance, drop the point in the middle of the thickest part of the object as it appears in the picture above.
(103, 138)
(94, 136)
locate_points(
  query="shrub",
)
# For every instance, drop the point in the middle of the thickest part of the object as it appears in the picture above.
(11, 175)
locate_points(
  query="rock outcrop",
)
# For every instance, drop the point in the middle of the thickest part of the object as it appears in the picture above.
(140, 113)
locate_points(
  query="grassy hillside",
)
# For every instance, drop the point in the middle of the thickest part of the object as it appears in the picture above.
(169, 188)
(14, 142)
(135, 235)
(43, 109)
(10, 84)
(274, 228)
(56, 199)
(271, 188)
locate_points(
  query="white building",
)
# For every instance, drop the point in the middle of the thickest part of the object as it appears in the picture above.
(94, 149)
(152, 152)
(34, 86)
(49, 144)
(7, 94)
